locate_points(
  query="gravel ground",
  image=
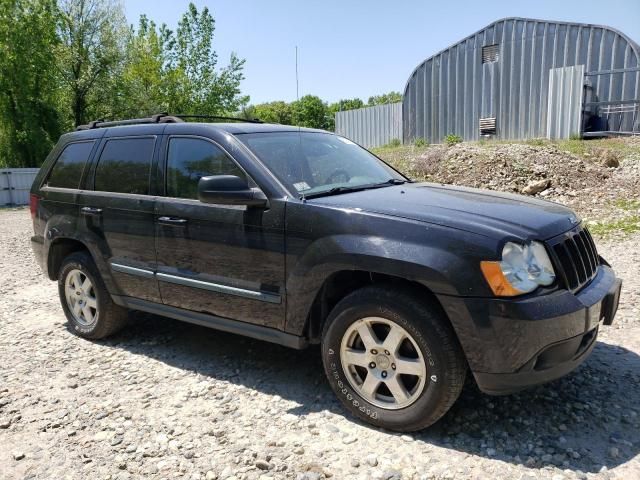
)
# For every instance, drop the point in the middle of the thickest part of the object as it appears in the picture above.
(165, 399)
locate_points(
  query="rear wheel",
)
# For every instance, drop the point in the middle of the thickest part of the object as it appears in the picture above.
(393, 360)
(85, 300)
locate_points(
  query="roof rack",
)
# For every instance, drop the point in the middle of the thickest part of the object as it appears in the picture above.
(218, 117)
(158, 118)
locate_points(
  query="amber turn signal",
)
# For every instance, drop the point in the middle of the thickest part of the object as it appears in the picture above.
(497, 281)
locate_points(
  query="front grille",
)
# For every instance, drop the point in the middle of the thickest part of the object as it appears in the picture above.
(576, 258)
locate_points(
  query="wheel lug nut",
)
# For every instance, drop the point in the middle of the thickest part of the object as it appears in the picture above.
(393, 366)
(384, 374)
(372, 365)
(374, 351)
(386, 352)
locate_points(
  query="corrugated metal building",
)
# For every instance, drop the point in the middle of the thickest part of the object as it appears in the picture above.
(504, 81)
(371, 126)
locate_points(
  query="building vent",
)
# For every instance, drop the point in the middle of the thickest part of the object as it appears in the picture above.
(487, 126)
(490, 53)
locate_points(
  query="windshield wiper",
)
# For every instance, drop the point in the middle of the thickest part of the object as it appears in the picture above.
(355, 188)
(336, 191)
(393, 181)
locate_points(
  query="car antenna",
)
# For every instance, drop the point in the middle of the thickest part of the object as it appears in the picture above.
(299, 130)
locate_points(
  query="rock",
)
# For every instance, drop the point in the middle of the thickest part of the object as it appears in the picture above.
(5, 423)
(491, 452)
(262, 464)
(309, 476)
(536, 186)
(392, 475)
(298, 450)
(614, 452)
(349, 439)
(18, 455)
(211, 475)
(355, 463)
(371, 460)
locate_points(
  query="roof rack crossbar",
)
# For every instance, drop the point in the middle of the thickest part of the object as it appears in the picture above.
(220, 117)
(157, 118)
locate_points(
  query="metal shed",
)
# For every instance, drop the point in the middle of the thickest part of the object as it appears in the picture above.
(521, 78)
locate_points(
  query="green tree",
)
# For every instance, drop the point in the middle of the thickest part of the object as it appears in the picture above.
(29, 95)
(273, 112)
(310, 111)
(341, 106)
(391, 97)
(92, 34)
(141, 88)
(194, 85)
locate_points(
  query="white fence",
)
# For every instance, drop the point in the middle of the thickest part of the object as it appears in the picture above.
(371, 126)
(15, 184)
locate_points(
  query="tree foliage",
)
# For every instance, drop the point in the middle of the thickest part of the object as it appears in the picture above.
(91, 34)
(391, 97)
(65, 62)
(29, 99)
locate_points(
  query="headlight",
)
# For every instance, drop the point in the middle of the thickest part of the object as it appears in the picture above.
(523, 269)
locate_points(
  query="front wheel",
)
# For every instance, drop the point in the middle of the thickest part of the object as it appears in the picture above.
(392, 359)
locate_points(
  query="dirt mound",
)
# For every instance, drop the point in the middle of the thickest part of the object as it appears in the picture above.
(591, 180)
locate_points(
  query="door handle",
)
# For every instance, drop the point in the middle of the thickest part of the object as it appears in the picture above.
(92, 211)
(173, 221)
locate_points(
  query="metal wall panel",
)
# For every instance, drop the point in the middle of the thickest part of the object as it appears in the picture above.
(15, 184)
(564, 110)
(371, 126)
(450, 91)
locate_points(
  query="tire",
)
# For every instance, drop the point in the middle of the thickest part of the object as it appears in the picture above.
(95, 316)
(430, 368)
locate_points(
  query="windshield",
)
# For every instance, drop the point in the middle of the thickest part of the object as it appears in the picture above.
(314, 164)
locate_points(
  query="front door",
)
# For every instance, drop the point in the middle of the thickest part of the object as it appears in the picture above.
(223, 260)
(116, 217)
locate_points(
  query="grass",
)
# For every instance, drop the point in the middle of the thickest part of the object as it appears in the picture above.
(626, 225)
(626, 204)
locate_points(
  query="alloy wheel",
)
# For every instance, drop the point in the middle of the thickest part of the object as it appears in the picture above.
(383, 363)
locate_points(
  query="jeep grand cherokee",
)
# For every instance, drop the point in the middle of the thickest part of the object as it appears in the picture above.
(299, 236)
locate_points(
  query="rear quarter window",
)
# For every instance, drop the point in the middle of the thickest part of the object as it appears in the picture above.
(125, 165)
(68, 168)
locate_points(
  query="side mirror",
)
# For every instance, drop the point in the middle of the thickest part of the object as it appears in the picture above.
(229, 190)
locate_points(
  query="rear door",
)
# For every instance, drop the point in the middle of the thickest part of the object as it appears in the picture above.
(116, 212)
(219, 259)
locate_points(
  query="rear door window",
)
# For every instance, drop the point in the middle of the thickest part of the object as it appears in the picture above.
(67, 171)
(189, 160)
(125, 165)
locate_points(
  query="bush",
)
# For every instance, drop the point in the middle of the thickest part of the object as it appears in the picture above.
(395, 142)
(452, 139)
(420, 142)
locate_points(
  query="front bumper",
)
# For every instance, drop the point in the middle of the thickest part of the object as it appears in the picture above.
(512, 344)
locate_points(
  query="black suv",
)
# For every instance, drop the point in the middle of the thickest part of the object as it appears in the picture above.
(298, 236)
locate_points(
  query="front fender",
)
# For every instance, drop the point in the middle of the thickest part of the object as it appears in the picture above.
(443, 268)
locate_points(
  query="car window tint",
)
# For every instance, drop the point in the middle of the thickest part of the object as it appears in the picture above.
(68, 168)
(190, 159)
(124, 166)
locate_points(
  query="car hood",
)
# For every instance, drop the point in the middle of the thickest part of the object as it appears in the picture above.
(485, 212)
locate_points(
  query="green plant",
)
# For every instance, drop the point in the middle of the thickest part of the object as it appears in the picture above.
(575, 136)
(452, 139)
(420, 142)
(626, 225)
(395, 142)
